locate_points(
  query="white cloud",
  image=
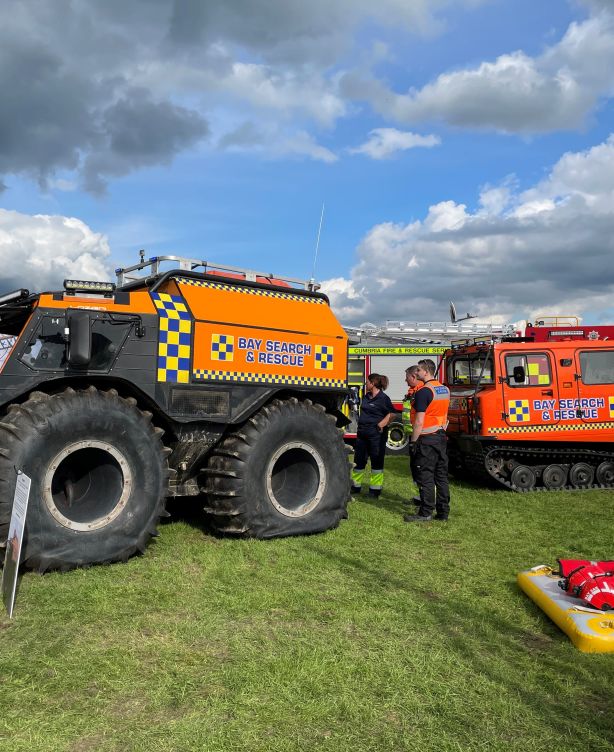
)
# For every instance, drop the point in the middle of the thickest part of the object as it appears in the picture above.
(384, 142)
(495, 199)
(38, 252)
(265, 88)
(275, 142)
(445, 216)
(545, 250)
(588, 174)
(515, 93)
(340, 289)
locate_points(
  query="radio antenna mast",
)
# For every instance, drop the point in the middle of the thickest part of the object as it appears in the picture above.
(315, 258)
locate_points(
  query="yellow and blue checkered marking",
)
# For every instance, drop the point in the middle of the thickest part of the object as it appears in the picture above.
(250, 290)
(519, 411)
(222, 347)
(611, 405)
(260, 378)
(174, 338)
(324, 357)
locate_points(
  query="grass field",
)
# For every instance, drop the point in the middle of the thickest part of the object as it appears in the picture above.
(376, 636)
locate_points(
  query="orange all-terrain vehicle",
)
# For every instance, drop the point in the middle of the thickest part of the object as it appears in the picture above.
(201, 381)
(533, 415)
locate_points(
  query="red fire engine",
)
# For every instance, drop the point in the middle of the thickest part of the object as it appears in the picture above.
(392, 361)
(560, 328)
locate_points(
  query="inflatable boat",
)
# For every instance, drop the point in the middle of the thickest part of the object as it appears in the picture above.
(590, 630)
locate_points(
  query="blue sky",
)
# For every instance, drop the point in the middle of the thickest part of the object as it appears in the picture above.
(461, 147)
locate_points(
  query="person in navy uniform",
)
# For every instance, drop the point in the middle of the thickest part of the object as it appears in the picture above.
(376, 411)
(429, 445)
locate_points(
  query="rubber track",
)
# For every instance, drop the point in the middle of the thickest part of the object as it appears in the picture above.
(545, 457)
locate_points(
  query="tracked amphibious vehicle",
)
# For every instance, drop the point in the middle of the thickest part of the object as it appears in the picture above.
(533, 415)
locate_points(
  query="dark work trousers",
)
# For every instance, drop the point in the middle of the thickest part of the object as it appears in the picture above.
(414, 469)
(370, 444)
(431, 461)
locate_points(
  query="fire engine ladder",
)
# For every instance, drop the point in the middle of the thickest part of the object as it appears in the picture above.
(430, 331)
(152, 267)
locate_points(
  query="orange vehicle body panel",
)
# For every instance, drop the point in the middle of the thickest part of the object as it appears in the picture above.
(139, 302)
(554, 403)
(240, 336)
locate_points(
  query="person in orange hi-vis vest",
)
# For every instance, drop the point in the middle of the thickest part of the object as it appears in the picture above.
(429, 446)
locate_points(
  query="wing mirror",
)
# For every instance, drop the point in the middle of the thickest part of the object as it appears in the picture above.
(79, 338)
(519, 376)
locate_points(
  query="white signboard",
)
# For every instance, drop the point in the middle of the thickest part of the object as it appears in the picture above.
(14, 541)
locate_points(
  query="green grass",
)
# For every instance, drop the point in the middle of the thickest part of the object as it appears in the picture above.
(376, 636)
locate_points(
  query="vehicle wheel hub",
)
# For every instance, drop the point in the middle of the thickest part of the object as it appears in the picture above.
(87, 485)
(295, 479)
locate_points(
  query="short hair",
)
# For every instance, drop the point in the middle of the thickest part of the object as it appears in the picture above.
(378, 380)
(428, 365)
(412, 370)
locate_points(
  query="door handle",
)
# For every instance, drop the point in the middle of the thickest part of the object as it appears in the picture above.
(547, 392)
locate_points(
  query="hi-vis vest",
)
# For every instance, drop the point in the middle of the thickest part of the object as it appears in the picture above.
(412, 412)
(436, 415)
(406, 414)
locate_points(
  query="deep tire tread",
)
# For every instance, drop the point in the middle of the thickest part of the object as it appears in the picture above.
(235, 509)
(23, 423)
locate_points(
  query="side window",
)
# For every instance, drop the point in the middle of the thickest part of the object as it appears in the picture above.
(47, 348)
(528, 369)
(597, 367)
(108, 335)
(356, 371)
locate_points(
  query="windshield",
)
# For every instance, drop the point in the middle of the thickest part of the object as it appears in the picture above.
(466, 369)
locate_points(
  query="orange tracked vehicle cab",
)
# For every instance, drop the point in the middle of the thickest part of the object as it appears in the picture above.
(533, 415)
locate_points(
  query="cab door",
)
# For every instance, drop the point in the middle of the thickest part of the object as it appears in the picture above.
(356, 384)
(530, 390)
(595, 381)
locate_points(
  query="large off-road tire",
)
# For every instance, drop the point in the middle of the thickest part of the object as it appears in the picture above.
(99, 477)
(284, 472)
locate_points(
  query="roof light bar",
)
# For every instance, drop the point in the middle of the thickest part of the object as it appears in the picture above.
(79, 285)
(11, 297)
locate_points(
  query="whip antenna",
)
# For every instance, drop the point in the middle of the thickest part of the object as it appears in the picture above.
(315, 258)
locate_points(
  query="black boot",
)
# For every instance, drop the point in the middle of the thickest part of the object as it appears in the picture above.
(417, 517)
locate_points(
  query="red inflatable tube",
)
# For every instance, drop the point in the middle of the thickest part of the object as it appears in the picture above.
(581, 577)
(567, 566)
(599, 593)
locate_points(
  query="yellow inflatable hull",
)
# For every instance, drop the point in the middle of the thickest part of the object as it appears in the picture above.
(591, 631)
